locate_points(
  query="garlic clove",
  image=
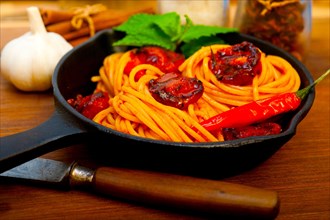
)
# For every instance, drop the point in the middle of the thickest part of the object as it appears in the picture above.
(28, 61)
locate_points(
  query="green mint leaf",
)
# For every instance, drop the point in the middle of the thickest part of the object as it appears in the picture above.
(146, 29)
(136, 23)
(165, 30)
(153, 36)
(197, 31)
(170, 24)
(189, 23)
(191, 47)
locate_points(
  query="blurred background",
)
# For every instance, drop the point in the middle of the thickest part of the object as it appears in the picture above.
(13, 13)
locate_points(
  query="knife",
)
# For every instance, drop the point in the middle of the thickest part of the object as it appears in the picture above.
(153, 188)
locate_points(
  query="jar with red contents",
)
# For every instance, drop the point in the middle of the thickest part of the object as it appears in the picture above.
(284, 23)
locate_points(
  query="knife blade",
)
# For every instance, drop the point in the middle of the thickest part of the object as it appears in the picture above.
(168, 190)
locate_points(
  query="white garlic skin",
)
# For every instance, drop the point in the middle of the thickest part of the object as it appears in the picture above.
(28, 61)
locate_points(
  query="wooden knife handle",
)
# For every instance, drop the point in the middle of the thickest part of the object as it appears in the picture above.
(197, 194)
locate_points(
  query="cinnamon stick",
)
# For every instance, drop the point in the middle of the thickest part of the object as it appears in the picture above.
(60, 22)
(55, 16)
(100, 23)
(77, 41)
(61, 27)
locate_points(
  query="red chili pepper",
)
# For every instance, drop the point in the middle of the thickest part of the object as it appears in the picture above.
(260, 110)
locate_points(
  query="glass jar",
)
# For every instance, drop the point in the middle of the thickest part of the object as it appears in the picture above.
(284, 23)
(205, 12)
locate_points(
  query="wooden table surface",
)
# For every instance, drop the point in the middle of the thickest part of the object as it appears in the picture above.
(299, 171)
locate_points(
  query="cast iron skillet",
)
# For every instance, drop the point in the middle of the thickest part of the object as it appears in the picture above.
(66, 126)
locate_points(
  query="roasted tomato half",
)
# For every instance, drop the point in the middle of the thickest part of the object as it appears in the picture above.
(90, 105)
(261, 129)
(175, 90)
(167, 61)
(237, 64)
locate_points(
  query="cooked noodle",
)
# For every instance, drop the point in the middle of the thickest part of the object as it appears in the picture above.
(133, 110)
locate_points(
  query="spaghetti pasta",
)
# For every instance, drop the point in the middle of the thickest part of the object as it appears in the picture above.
(133, 110)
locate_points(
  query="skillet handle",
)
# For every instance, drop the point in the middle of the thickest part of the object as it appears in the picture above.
(55, 133)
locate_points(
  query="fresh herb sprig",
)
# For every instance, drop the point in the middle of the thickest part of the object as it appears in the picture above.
(166, 30)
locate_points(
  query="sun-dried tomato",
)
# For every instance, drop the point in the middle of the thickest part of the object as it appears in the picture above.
(237, 64)
(175, 90)
(167, 61)
(90, 105)
(132, 63)
(261, 129)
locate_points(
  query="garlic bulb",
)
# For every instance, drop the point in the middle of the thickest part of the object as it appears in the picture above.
(28, 61)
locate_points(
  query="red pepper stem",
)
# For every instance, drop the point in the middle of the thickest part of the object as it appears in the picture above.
(303, 92)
